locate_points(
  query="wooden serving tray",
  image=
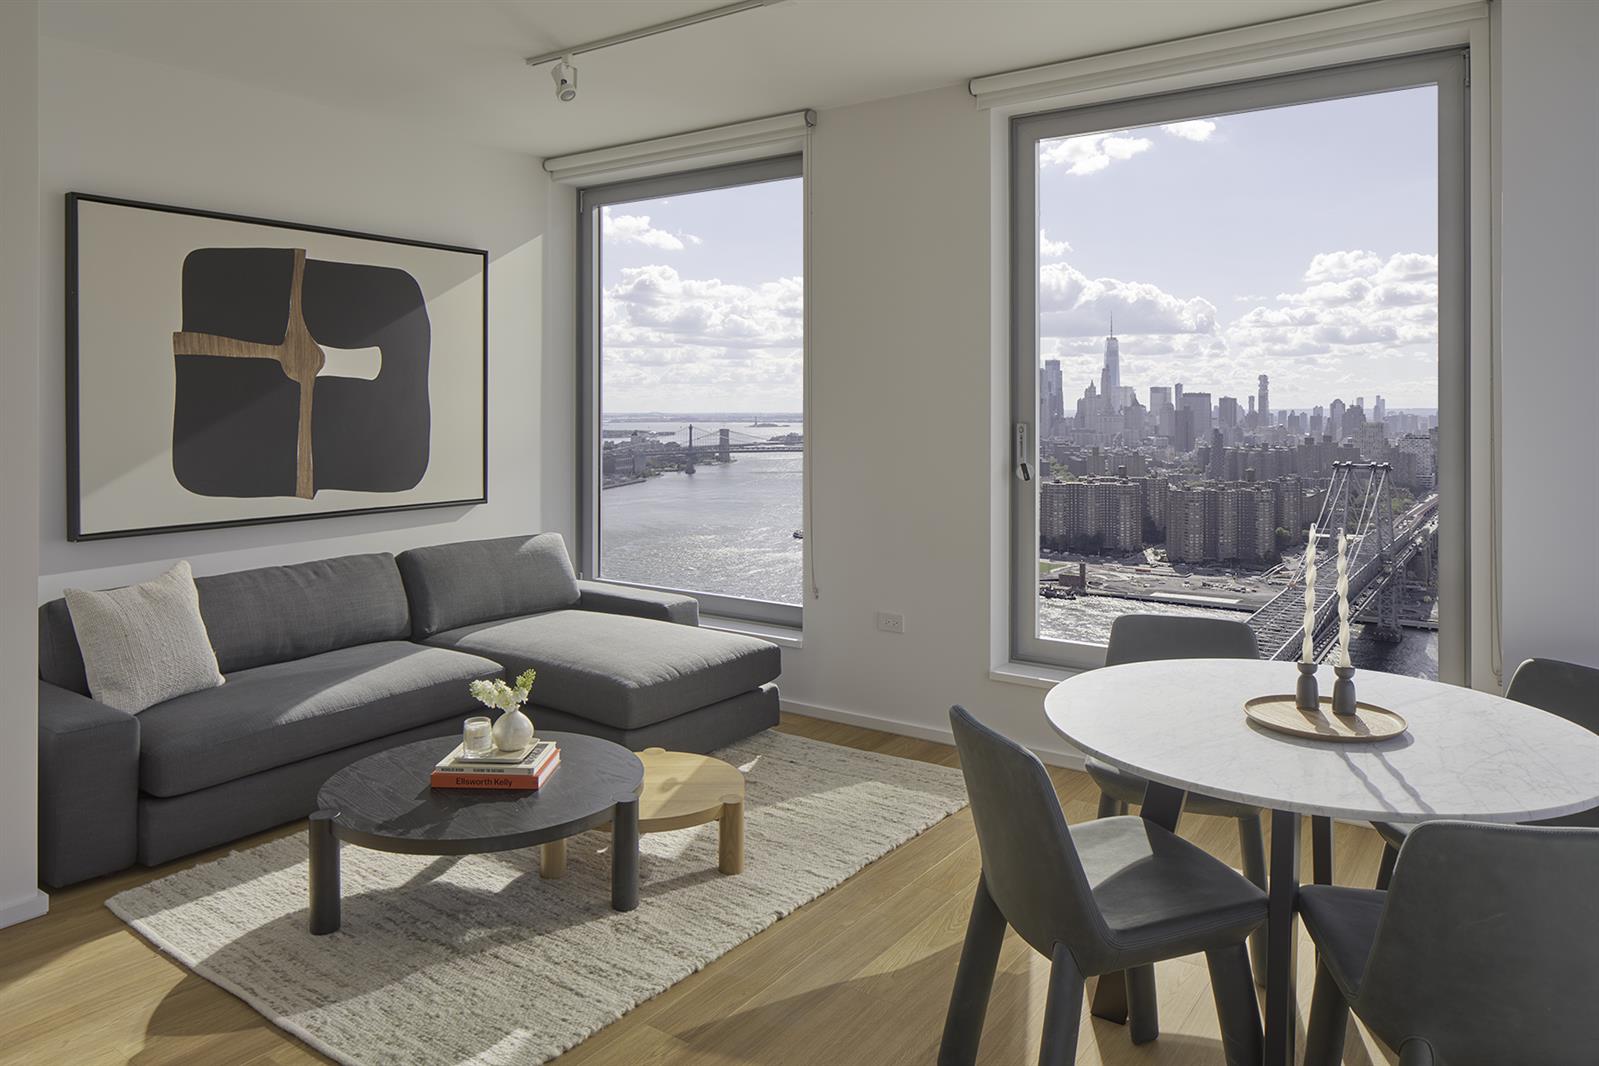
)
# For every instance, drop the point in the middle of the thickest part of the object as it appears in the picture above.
(1369, 722)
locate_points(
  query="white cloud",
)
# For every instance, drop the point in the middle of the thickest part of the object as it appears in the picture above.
(636, 229)
(1198, 129)
(671, 340)
(1052, 249)
(1336, 266)
(1091, 153)
(1072, 304)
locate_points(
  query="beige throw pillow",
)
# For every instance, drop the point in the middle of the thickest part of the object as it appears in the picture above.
(145, 643)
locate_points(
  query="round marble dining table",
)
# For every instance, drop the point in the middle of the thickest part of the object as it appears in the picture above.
(1180, 724)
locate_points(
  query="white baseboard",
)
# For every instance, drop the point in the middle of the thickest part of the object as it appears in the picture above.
(1070, 760)
(24, 909)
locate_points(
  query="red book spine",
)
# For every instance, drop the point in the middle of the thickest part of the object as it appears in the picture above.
(481, 780)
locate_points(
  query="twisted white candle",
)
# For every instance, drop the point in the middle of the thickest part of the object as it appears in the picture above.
(1343, 599)
(1308, 652)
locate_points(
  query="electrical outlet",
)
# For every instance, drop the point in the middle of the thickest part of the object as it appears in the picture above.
(890, 622)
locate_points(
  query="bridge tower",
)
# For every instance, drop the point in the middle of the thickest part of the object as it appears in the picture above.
(1360, 501)
(1387, 605)
(724, 447)
(688, 462)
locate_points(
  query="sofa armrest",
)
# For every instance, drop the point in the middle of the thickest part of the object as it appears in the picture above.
(645, 603)
(88, 787)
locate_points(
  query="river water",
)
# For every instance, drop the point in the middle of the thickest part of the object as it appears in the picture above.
(729, 528)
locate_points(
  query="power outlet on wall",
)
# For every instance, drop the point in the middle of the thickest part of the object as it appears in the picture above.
(890, 622)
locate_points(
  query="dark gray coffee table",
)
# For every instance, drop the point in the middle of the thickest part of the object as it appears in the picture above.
(384, 802)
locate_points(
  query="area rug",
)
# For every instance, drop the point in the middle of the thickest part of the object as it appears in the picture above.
(476, 960)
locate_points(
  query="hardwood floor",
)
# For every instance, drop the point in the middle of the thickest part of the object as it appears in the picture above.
(859, 976)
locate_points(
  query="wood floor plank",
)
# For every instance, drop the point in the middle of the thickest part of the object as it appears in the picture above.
(858, 977)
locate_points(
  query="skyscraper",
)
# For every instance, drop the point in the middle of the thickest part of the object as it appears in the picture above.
(1227, 412)
(1051, 399)
(1335, 420)
(1263, 405)
(1110, 377)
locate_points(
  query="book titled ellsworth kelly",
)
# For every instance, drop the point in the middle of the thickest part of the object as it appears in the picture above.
(480, 778)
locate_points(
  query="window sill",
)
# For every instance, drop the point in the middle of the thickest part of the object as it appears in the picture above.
(1033, 675)
(783, 636)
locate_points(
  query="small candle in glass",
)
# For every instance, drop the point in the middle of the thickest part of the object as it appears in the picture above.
(477, 736)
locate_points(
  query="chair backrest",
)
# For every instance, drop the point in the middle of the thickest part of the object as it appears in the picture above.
(1488, 946)
(1566, 689)
(1030, 865)
(1137, 638)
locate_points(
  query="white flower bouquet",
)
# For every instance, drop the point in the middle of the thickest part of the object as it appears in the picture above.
(514, 730)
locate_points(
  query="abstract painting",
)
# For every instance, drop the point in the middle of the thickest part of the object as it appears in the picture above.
(225, 370)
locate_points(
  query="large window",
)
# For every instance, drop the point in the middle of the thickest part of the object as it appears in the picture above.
(694, 370)
(1239, 312)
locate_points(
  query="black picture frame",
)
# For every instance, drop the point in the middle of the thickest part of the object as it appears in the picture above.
(75, 531)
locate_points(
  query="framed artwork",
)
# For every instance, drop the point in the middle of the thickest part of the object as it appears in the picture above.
(226, 371)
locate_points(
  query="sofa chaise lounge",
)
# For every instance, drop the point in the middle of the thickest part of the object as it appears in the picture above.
(326, 662)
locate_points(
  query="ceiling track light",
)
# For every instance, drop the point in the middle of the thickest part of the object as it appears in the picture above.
(565, 74)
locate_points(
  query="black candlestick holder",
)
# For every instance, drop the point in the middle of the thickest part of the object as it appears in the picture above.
(1343, 696)
(1307, 696)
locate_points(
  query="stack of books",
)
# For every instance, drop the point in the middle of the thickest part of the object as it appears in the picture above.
(526, 770)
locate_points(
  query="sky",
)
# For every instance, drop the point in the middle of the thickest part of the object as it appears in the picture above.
(703, 302)
(1299, 242)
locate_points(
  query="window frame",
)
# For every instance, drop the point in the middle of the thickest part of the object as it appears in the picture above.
(1446, 69)
(591, 201)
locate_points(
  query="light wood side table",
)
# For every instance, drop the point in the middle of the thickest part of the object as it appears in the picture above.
(682, 789)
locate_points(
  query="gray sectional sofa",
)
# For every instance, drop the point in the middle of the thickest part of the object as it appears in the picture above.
(329, 661)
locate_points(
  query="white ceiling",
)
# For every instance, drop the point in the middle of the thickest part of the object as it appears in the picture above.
(458, 63)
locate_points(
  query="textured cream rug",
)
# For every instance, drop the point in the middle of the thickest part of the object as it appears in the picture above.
(476, 960)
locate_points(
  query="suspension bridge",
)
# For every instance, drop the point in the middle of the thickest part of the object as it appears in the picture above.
(721, 441)
(1380, 549)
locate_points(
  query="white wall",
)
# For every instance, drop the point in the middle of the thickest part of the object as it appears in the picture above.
(1549, 328)
(20, 897)
(904, 463)
(122, 127)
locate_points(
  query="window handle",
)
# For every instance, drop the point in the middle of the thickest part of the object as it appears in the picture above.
(1023, 471)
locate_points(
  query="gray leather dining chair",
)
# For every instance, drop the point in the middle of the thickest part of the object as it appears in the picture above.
(1566, 689)
(1096, 898)
(1483, 952)
(1137, 638)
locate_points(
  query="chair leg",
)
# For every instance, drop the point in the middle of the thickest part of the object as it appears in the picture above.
(1109, 806)
(1143, 1013)
(1329, 1017)
(1385, 872)
(974, 979)
(1063, 1010)
(1416, 1052)
(1232, 983)
(1252, 846)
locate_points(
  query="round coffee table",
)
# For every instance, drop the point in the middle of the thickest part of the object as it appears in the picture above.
(384, 802)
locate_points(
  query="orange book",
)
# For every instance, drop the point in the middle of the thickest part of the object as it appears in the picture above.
(480, 779)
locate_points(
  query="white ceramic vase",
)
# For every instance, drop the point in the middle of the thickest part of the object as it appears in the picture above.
(513, 731)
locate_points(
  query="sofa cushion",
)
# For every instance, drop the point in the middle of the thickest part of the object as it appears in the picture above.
(273, 614)
(452, 585)
(146, 643)
(281, 713)
(618, 670)
(279, 613)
